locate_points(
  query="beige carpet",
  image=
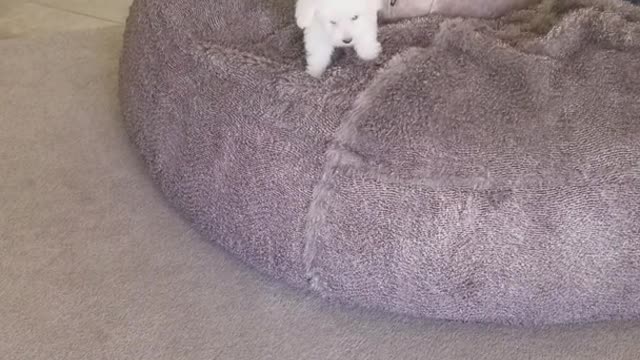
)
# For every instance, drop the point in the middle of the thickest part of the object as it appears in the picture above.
(93, 265)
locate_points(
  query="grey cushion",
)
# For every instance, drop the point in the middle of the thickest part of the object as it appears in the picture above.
(395, 9)
(480, 170)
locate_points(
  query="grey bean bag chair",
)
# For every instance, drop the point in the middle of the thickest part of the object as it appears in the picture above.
(479, 170)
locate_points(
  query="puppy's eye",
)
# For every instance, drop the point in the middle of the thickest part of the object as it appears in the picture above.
(333, 22)
(355, 18)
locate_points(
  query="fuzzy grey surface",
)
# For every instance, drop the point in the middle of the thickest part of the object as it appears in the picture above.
(480, 170)
(394, 9)
(95, 265)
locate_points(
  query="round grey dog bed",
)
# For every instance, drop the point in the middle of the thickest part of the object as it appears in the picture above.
(479, 170)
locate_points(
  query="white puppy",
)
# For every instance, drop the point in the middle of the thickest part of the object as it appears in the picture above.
(329, 24)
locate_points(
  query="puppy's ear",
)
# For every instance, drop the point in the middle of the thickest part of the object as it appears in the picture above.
(379, 4)
(305, 11)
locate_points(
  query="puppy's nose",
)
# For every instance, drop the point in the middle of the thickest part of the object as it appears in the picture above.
(347, 40)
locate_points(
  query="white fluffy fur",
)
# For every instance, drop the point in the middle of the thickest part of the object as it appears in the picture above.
(329, 24)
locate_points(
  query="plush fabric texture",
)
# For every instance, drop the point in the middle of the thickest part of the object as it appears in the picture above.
(480, 170)
(395, 9)
(95, 265)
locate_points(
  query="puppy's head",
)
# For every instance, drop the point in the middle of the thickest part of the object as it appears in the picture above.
(346, 20)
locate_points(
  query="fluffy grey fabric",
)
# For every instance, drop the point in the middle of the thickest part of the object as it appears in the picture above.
(395, 9)
(481, 170)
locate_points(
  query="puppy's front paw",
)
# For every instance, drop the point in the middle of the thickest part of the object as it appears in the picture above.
(315, 71)
(318, 58)
(369, 51)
